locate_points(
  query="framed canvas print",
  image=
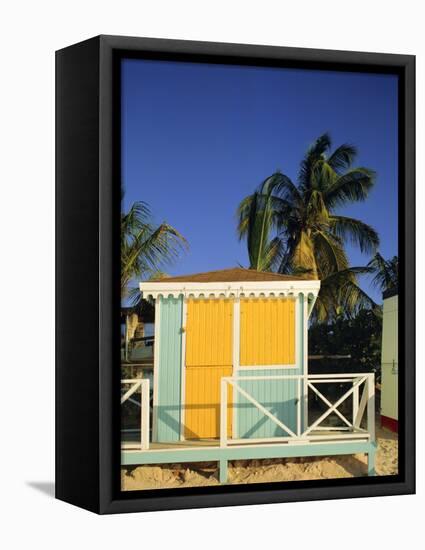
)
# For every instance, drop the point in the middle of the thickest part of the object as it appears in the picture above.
(235, 274)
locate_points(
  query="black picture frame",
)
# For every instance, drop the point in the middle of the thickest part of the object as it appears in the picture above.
(87, 272)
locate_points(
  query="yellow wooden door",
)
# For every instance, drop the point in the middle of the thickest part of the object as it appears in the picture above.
(267, 332)
(209, 340)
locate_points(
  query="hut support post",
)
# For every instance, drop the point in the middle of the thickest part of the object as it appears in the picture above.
(222, 467)
(371, 462)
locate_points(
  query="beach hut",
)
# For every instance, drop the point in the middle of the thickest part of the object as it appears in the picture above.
(389, 361)
(231, 375)
(229, 323)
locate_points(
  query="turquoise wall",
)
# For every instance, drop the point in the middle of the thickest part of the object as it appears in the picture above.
(168, 407)
(277, 396)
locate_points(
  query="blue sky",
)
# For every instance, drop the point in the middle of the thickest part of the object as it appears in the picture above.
(198, 138)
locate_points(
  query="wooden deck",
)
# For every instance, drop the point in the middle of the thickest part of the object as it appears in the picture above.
(131, 441)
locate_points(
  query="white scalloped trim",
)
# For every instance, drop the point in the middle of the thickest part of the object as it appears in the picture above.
(272, 289)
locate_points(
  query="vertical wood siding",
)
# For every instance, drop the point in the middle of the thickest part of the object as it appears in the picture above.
(277, 396)
(209, 333)
(389, 359)
(202, 410)
(267, 331)
(208, 359)
(168, 407)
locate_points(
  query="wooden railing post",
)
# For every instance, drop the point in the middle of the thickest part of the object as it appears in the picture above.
(371, 406)
(355, 403)
(144, 420)
(298, 407)
(223, 413)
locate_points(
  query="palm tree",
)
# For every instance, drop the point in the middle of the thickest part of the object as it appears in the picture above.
(341, 296)
(145, 247)
(385, 271)
(295, 228)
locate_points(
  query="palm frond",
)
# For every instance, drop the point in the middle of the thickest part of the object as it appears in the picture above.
(145, 248)
(273, 255)
(243, 215)
(138, 217)
(280, 186)
(353, 186)
(340, 294)
(329, 252)
(323, 176)
(258, 231)
(316, 211)
(359, 233)
(343, 157)
(134, 295)
(314, 153)
(259, 214)
(385, 271)
(339, 276)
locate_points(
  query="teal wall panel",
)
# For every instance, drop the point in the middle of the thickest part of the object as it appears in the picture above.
(277, 396)
(168, 407)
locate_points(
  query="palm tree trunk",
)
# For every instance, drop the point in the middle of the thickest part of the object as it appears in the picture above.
(303, 259)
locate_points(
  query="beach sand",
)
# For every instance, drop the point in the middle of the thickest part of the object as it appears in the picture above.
(266, 470)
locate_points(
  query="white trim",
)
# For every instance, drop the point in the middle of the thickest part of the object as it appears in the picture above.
(144, 414)
(236, 359)
(299, 407)
(135, 386)
(311, 305)
(157, 334)
(183, 370)
(370, 386)
(143, 384)
(248, 441)
(342, 375)
(340, 428)
(360, 410)
(356, 402)
(327, 381)
(223, 413)
(266, 367)
(305, 434)
(355, 376)
(334, 407)
(230, 289)
(329, 404)
(310, 438)
(304, 366)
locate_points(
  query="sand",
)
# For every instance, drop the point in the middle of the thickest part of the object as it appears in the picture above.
(267, 470)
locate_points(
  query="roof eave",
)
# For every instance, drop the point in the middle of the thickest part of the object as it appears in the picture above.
(229, 289)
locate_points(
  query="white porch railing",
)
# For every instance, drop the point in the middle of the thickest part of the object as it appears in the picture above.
(352, 426)
(137, 384)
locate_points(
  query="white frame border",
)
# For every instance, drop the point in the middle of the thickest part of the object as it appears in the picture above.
(157, 334)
